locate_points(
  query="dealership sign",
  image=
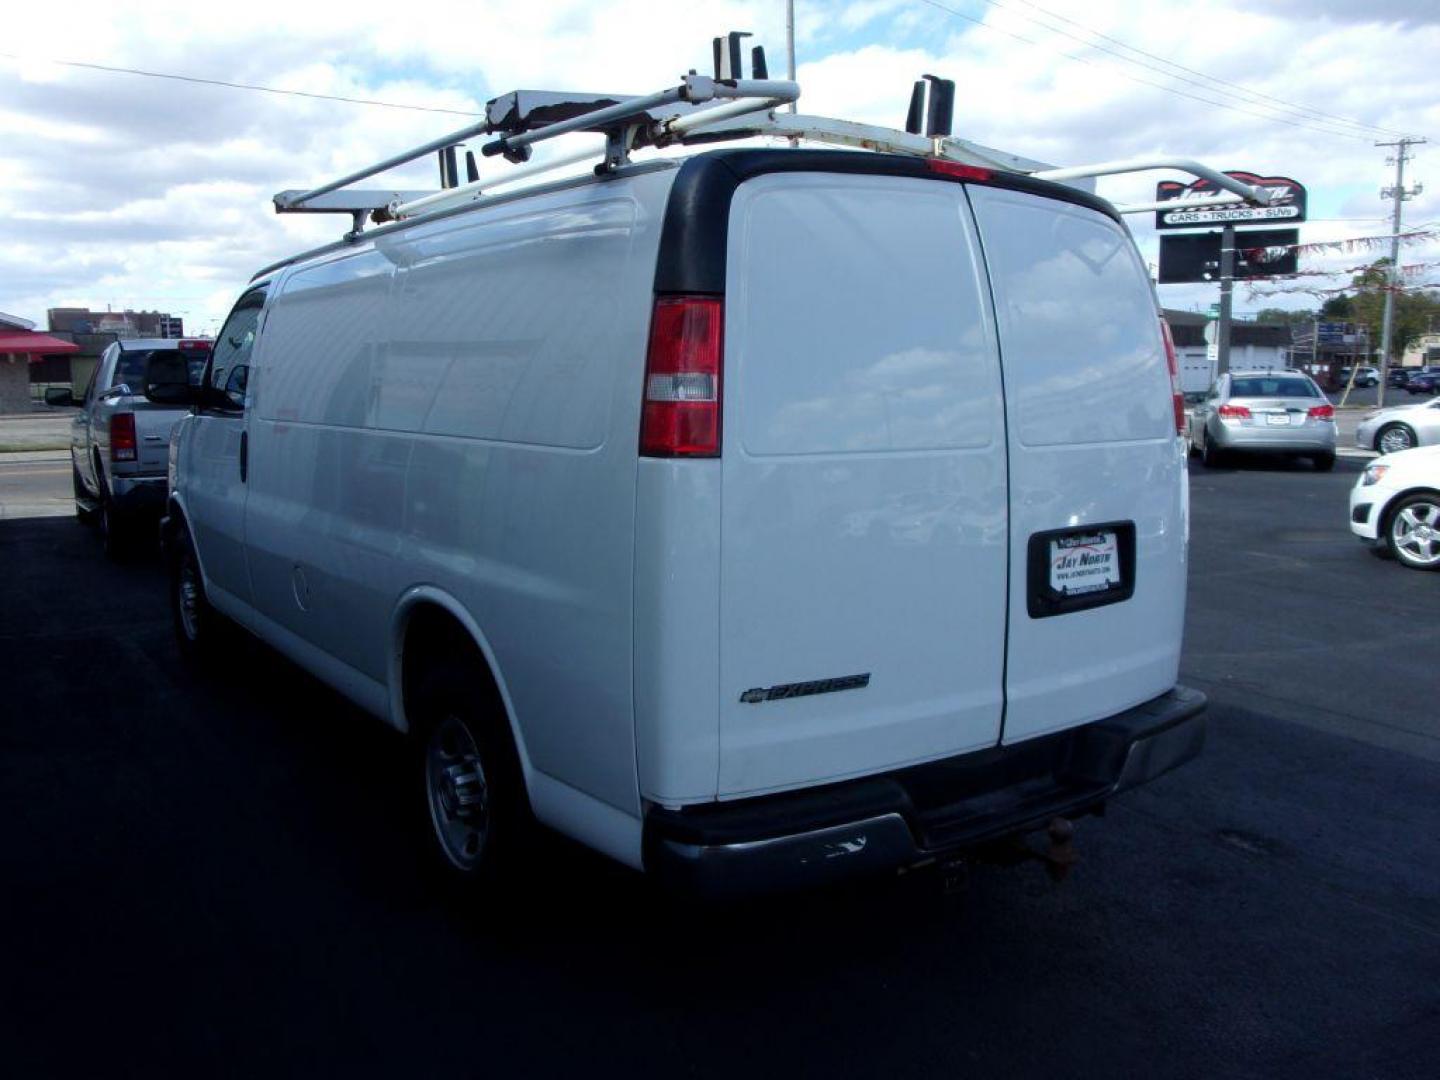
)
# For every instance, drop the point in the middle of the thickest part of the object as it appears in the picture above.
(1286, 206)
(1259, 253)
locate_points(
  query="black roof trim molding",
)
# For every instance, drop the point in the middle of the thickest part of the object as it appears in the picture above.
(697, 218)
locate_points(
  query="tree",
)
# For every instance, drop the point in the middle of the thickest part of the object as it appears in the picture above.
(1365, 305)
(1275, 316)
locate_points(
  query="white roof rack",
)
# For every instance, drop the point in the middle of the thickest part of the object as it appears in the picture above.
(700, 109)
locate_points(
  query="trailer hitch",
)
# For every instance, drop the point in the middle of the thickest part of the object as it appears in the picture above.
(1058, 852)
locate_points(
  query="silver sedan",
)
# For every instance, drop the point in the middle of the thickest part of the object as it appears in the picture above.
(1400, 428)
(1268, 412)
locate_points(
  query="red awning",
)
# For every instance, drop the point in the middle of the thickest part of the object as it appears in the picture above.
(27, 341)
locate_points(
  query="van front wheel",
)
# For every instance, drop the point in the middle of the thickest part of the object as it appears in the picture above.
(197, 624)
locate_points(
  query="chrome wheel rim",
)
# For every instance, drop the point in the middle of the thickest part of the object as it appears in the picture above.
(1416, 533)
(187, 597)
(457, 793)
(1395, 440)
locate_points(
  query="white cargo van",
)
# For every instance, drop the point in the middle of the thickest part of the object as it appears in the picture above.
(755, 518)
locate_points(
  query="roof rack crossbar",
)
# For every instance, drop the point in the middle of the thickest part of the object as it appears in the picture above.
(395, 160)
(1259, 196)
(1190, 204)
(419, 203)
(712, 123)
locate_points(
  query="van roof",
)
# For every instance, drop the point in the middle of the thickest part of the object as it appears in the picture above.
(698, 212)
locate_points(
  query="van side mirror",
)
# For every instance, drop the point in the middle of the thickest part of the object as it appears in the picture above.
(167, 380)
(59, 395)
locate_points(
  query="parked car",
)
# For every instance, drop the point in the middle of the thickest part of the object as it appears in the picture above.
(1365, 376)
(1395, 507)
(1398, 376)
(119, 439)
(1269, 412)
(755, 518)
(1401, 427)
(1425, 382)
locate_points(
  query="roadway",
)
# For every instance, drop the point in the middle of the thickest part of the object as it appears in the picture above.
(216, 876)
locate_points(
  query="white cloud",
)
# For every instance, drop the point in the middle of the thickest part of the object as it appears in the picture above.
(151, 193)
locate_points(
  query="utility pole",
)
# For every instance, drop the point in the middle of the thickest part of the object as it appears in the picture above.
(1227, 285)
(1398, 195)
(790, 41)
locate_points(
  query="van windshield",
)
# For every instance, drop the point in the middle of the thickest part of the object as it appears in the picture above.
(1273, 387)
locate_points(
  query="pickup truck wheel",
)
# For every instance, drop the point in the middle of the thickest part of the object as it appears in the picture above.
(115, 532)
(84, 511)
(470, 782)
(197, 624)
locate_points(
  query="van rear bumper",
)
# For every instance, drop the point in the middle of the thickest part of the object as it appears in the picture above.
(914, 815)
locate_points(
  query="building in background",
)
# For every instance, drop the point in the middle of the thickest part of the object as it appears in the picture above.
(1328, 350)
(1253, 346)
(123, 324)
(21, 347)
(72, 369)
(1423, 350)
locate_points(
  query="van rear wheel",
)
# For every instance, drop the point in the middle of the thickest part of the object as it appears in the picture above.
(471, 788)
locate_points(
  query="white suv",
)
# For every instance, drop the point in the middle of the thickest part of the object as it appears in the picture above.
(754, 518)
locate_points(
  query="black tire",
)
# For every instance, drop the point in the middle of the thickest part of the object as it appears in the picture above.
(1210, 457)
(198, 626)
(84, 513)
(1400, 436)
(1323, 462)
(468, 781)
(1423, 507)
(117, 535)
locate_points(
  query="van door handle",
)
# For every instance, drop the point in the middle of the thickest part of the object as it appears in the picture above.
(244, 454)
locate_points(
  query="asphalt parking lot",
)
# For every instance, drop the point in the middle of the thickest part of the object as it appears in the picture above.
(214, 876)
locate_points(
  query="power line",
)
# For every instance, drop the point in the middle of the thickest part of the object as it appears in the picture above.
(1148, 82)
(1237, 87)
(238, 86)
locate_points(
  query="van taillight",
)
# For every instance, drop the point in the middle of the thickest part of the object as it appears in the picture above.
(681, 415)
(1176, 396)
(122, 437)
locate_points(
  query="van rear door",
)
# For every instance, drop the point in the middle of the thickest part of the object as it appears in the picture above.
(864, 533)
(1097, 474)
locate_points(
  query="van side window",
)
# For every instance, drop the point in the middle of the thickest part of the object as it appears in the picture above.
(230, 362)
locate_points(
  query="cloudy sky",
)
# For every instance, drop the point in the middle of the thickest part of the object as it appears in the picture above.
(150, 193)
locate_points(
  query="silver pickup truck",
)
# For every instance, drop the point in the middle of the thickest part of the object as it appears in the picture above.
(119, 441)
